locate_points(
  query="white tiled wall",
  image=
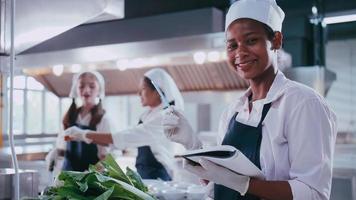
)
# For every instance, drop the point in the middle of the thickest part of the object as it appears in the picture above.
(341, 58)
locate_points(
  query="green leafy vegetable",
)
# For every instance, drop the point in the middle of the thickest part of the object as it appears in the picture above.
(136, 179)
(103, 181)
(106, 195)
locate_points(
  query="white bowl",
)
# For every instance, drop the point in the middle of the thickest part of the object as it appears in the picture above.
(195, 192)
(181, 185)
(173, 194)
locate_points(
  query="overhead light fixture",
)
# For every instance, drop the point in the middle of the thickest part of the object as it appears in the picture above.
(213, 56)
(199, 57)
(138, 62)
(314, 10)
(57, 70)
(92, 67)
(122, 64)
(342, 17)
(75, 68)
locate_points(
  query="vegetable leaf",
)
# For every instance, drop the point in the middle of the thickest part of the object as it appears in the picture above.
(104, 181)
(136, 179)
(106, 195)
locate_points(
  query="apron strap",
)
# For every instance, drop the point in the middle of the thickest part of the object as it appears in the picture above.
(265, 110)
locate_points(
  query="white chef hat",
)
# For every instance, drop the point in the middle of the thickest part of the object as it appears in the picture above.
(265, 11)
(166, 83)
(73, 91)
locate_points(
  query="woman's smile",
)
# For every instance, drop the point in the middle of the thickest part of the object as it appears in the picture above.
(245, 65)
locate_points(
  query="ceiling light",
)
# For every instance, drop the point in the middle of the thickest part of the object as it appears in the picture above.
(122, 64)
(199, 57)
(213, 56)
(92, 67)
(347, 16)
(57, 70)
(138, 62)
(75, 68)
(314, 10)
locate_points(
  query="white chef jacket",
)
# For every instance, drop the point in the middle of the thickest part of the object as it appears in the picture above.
(298, 136)
(149, 133)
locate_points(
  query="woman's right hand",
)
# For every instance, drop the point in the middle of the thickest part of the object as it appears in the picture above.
(76, 134)
(177, 129)
(217, 174)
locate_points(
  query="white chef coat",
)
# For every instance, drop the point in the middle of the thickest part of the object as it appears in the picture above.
(149, 133)
(298, 136)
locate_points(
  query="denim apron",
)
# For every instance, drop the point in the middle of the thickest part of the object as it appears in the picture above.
(247, 139)
(79, 155)
(148, 166)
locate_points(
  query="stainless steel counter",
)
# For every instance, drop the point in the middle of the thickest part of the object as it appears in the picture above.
(344, 173)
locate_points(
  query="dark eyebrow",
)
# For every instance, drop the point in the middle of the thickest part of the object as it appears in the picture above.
(245, 35)
(230, 40)
(250, 33)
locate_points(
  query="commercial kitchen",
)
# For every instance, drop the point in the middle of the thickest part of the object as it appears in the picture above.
(152, 73)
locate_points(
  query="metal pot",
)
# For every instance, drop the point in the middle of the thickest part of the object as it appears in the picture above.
(29, 181)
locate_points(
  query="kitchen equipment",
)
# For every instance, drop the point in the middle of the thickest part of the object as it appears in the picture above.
(172, 190)
(29, 181)
(317, 77)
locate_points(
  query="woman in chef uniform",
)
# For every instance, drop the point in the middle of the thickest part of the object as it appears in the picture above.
(155, 154)
(286, 129)
(89, 86)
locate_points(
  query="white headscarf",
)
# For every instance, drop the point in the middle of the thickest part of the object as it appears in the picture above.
(265, 11)
(166, 83)
(73, 91)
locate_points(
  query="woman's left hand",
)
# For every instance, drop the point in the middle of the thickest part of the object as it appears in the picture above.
(178, 129)
(220, 175)
(76, 134)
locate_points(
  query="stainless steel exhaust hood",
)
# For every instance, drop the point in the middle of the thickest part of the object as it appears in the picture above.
(121, 39)
(198, 30)
(316, 77)
(39, 20)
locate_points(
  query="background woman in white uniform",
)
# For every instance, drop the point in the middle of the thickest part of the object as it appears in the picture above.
(283, 127)
(155, 153)
(90, 87)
